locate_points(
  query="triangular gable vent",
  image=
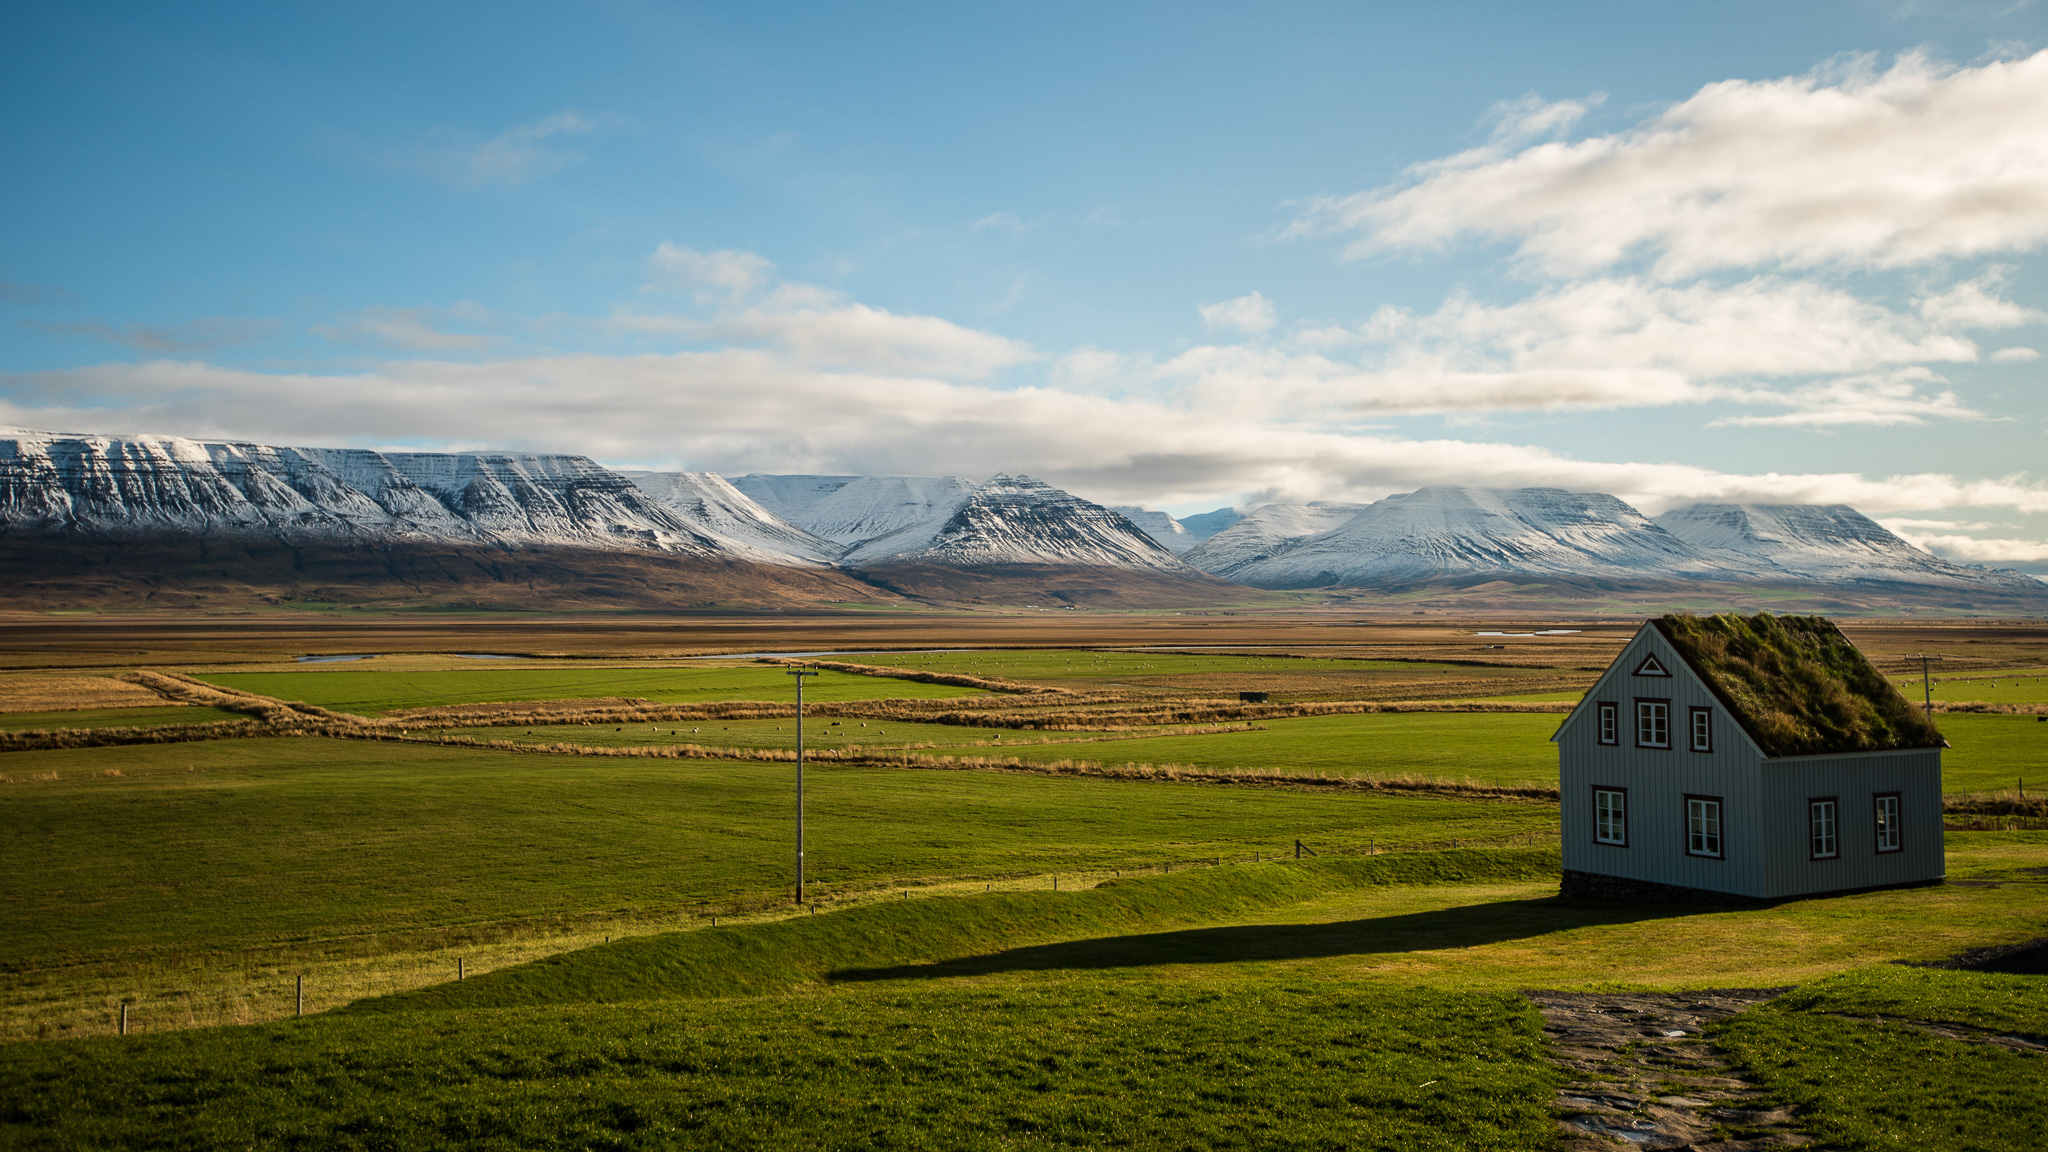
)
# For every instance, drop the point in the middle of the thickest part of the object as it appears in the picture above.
(1650, 667)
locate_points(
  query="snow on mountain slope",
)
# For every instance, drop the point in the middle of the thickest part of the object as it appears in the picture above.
(1439, 532)
(1262, 531)
(52, 482)
(1159, 526)
(1018, 520)
(788, 496)
(1832, 543)
(711, 505)
(1207, 524)
(876, 515)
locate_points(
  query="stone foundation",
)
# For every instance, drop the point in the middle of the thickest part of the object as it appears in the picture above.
(1593, 886)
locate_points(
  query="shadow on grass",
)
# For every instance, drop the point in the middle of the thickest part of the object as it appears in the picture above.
(1464, 927)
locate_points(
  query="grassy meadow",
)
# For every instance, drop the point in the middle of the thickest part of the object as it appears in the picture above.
(989, 958)
(372, 692)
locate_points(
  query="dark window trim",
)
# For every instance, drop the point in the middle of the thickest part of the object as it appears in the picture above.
(1900, 797)
(1601, 709)
(1692, 739)
(1666, 746)
(1625, 812)
(1685, 829)
(1649, 661)
(1810, 802)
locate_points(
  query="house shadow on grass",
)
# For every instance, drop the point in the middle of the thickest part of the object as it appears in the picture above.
(1463, 927)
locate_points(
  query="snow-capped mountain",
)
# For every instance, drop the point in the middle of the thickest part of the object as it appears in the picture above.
(1264, 530)
(1019, 520)
(1208, 524)
(707, 502)
(1438, 532)
(788, 496)
(106, 485)
(1169, 532)
(880, 515)
(1831, 543)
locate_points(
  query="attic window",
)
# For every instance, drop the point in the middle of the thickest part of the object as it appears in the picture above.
(1651, 666)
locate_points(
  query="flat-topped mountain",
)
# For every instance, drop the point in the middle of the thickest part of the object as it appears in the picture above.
(1468, 533)
(418, 519)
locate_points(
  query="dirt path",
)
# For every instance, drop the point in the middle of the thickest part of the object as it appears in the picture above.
(1642, 1076)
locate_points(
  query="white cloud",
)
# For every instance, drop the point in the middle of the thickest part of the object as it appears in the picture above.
(2014, 355)
(1808, 354)
(512, 157)
(1249, 315)
(1847, 166)
(1980, 550)
(742, 303)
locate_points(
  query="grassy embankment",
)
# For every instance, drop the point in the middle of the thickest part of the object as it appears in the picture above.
(1246, 1006)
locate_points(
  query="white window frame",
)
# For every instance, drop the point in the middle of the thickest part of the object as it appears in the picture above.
(1653, 718)
(1701, 723)
(1607, 722)
(1704, 827)
(1889, 808)
(1823, 828)
(1610, 816)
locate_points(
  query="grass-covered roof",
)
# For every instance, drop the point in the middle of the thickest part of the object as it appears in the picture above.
(1797, 685)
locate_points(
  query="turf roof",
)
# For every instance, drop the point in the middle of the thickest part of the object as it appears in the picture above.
(1797, 685)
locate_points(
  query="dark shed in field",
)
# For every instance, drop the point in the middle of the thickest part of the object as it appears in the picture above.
(1747, 756)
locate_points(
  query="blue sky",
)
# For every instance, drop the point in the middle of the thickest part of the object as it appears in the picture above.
(1182, 255)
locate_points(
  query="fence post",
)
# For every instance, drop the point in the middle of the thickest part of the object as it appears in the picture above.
(124, 1017)
(300, 1010)
(458, 967)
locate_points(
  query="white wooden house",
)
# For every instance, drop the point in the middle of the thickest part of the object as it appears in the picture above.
(1752, 757)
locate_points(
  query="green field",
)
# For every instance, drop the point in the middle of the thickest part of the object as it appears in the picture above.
(1064, 664)
(115, 717)
(254, 840)
(989, 959)
(1491, 747)
(2028, 687)
(1989, 752)
(1886, 1084)
(371, 692)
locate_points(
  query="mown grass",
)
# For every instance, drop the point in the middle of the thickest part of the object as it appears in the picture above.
(1079, 664)
(372, 692)
(1493, 748)
(819, 732)
(1088, 1064)
(2022, 687)
(869, 942)
(1878, 1086)
(1989, 752)
(115, 717)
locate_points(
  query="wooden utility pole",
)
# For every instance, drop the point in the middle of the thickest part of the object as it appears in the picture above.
(800, 673)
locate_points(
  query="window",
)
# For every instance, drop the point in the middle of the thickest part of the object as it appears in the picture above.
(1653, 723)
(1890, 835)
(1610, 724)
(1702, 728)
(1651, 667)
(1610, 816)
(1703, 826)
(1822, 843)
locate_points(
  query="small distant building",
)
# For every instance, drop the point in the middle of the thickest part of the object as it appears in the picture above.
(1756, 757)
(1251, 697)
